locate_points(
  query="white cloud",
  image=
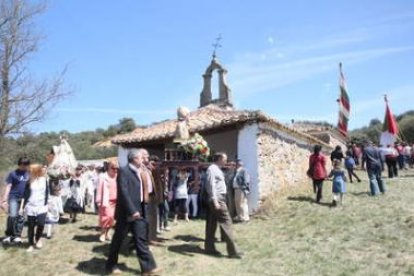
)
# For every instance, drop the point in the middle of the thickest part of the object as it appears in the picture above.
(270, 40)
(256, 78)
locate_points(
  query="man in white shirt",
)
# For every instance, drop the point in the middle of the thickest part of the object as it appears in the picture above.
(217, 212)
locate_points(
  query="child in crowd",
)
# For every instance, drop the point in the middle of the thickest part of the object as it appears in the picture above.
(76, 200)
(55, 206)
(338, 182)
(350, 166)
(181, 194)
(193, 192)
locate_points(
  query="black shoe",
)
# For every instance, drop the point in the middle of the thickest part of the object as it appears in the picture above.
(238, 255)
(359, 180)
(334, 203)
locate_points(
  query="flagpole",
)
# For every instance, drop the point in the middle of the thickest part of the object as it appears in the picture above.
(338, 100)
(343, 104)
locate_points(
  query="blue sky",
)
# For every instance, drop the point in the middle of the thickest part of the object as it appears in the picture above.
(143, 59)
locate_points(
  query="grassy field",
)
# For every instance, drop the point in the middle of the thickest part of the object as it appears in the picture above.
(293, 236)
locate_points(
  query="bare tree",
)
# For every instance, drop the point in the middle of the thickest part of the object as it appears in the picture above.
(23, 100)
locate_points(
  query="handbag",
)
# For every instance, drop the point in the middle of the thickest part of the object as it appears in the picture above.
(71, 206)
(310, 170)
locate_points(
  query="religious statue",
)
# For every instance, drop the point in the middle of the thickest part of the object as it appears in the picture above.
(61, 160)
(182, 133)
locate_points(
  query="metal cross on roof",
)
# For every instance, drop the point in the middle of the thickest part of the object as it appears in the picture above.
(216, 45)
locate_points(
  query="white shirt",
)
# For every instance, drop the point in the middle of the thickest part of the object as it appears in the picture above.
(36, 202)
(385, 151)
(138, 173)
(407, 150)
(149, 181)
(390, 151)
(215, 184)
(181, 190)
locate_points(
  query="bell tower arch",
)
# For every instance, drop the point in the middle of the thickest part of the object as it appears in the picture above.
(225, 97)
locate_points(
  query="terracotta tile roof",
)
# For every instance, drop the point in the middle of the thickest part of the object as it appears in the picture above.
(204, 119)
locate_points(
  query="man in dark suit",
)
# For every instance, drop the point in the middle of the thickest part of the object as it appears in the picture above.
(128, 215)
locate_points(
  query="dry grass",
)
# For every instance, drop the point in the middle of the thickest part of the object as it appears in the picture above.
(366, 236)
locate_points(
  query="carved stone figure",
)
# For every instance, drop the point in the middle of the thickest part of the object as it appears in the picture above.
(182, 133)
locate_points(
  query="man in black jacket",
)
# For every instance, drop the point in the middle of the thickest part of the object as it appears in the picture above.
(128, 215)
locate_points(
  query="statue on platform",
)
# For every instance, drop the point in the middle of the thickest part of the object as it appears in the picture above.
(61, 160)
(182, 134)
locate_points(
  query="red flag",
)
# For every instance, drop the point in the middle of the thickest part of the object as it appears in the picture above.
(390, 124)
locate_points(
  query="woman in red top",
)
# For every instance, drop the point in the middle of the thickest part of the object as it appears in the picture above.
(317, 170)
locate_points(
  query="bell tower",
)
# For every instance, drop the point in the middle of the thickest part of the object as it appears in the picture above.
(225, 97)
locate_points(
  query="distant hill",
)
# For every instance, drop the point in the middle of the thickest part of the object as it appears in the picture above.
(373, 130)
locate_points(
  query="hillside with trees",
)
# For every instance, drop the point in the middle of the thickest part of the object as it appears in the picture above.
(373, 130)
(36, 146)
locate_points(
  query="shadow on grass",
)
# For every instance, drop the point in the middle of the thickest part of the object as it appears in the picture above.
(308, 199)
(186, 249)
(360, 193)
(127, 248)
(188, 238)
(96, 266)
(101, 249)
(90, 213)
(86, 238)
(89, 228)
(14, 246)
(64, 220)
(301, 198)
(161, 239)
(407, 176)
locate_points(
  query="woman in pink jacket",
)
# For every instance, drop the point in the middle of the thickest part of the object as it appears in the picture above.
(106, 200)
(317, 171)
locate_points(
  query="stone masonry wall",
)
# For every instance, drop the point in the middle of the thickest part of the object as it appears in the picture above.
(283, 160)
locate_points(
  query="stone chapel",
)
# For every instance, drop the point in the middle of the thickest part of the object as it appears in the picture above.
(275, 155)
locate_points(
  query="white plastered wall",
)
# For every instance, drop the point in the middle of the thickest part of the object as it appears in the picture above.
(247, 151)
(123, 156)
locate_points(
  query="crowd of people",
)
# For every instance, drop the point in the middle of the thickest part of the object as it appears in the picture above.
(368, 157)
(137, 198)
